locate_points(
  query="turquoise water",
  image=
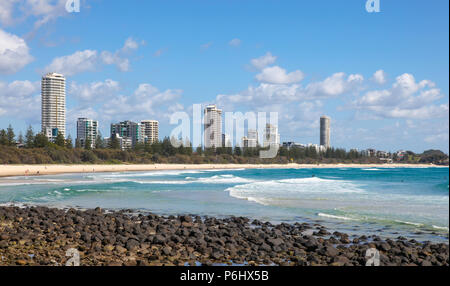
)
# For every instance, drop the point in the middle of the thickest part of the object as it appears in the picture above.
(412, 202)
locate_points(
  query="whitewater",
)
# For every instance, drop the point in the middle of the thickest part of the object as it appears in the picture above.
(391, 202)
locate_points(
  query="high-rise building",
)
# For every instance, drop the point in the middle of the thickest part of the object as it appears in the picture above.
(123, 142)
(87, 129)
(53, 105)
(127, 130)
(213, 126)
(252, 136)
(149, 131)
(271, 136)
(226, 142)
(325, 131)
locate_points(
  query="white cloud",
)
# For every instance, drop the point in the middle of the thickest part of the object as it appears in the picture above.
(206, 46)
(20, 99)
(263, 61)
(91, 60)
(235, 42)
(277, 75)
(78, 62)
(42, 11)
(405, 99)
(334, 85)
(437, 138)
(6, 11)
(14, 53)
(130, 45)
(108, 58)
(95, 91)
(145, 102)
(379, 77)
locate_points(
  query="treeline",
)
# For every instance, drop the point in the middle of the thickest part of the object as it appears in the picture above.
(36, 149)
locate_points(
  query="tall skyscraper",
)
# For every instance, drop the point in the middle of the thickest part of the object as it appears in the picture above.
(87, 129)
(252, 136)
(127, 130)
(149, 131)
(325, 131)
(53, 105)
(271, 136)
(213, 126)
(226, 142)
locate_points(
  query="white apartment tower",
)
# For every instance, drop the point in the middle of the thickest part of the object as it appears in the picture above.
(87, 129)
(53, 109)
(149, 131)
(325, 131)
(271, 136)
(213, 126)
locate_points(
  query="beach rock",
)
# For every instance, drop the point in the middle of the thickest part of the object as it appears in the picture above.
(132, 244)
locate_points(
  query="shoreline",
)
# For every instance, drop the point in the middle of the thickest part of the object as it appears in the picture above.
(42, 236)
(54, 169)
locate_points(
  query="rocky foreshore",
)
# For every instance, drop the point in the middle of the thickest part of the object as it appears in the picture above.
(42, 236)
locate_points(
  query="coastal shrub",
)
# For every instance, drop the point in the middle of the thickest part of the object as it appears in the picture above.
(88, 156)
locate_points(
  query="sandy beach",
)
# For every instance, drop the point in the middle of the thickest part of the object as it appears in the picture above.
(33, 170)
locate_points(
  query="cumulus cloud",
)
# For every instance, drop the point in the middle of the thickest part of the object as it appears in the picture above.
(42, 11)
(78, 62)
(14, 53)
(277, 75)
(235, 42)
(6, 11)
(20, 99)
(146, 101)
(379, 77)
(334, 85)
(91, 60)
(94, 92)
(262, 62)
(405, 99)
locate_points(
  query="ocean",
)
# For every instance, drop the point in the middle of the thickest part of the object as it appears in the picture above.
(388, 202)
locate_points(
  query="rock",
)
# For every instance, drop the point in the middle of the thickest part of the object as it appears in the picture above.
(132, 244)
(159, 239)
(329, 251)
(109, 247)
(265, 247)
(119, 249)
(311, 244)
(274, 241)
(21, 262)
(186, 218)
(167, 250)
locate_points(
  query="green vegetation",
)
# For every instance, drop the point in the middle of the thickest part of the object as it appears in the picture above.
(36, 149)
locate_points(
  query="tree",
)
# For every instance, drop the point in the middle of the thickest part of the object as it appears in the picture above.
(10, 135)
(99, 143)
(3, 137)
(88, 144)
(237, 150)
(77, 143)
(40, 140)
(60, 141)
(20, 139)
(69, 143)
(29, 137)
(114, 142)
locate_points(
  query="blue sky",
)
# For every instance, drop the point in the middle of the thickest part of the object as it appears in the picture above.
(381, 77)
